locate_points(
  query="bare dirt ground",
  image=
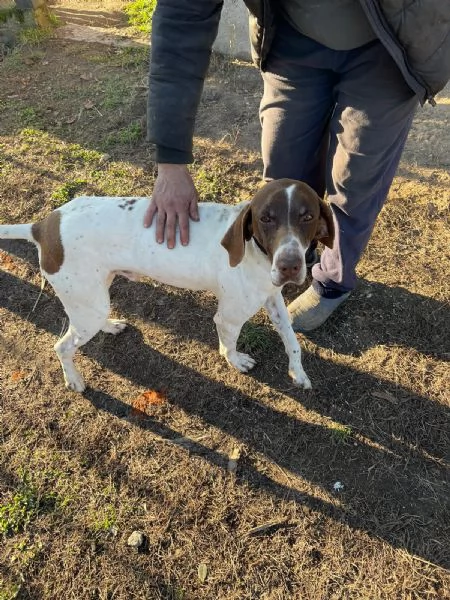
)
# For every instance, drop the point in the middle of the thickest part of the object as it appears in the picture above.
(147, 447)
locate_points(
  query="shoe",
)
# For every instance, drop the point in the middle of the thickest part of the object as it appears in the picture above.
(310, 310)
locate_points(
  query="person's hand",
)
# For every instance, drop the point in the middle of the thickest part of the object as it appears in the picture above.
(174, 200)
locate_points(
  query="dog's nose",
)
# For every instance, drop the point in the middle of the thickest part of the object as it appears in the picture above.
(290, 270)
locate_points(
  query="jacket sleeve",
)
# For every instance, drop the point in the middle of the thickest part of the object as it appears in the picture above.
(183, 33)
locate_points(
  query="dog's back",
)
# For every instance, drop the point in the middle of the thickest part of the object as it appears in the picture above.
(106, 235)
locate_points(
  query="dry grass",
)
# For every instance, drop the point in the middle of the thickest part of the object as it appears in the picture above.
(79, 473)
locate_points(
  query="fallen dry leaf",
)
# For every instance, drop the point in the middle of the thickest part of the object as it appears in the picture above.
(17, 375)
(202, 572)
(7, 262)
(141, 404)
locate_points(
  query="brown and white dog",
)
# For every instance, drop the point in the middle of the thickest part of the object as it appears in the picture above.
(244, 254)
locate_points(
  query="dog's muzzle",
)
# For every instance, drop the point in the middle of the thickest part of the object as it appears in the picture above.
(288, 264)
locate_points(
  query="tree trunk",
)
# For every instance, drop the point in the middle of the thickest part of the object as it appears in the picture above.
(40, 10)
(41, 13)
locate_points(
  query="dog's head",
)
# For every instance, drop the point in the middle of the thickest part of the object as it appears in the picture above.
(283, 218)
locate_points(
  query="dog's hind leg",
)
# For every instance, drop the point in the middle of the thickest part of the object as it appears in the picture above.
(65, 348)
(85, 320)
(114, 326)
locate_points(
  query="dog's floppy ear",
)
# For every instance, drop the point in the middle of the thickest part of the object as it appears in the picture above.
(325, 228)
(236, 236)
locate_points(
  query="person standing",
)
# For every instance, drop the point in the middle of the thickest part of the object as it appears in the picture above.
(342, 81)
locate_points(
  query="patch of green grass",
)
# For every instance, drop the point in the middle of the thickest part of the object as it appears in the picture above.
(106, 519)
(11, 12)
(67, 154)
(176, 593)
(12, 61)
(133, 57)
(140, 13)
(114, 180)
(115, 93)
(210, 184)
(128, 135)
(24, 552)
(9, 590)
(33, 138)
(34, 134)
(74, 153)
(67, 191)
(34, 36)
(254, 338)
(5, 166)
(29, 116)
(128, 56)
(99, 58)
(18, 511)
(340, 433)
(18, 116)
(23, 506)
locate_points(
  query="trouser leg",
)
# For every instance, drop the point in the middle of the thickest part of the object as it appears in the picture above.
(368, 130)
(296, 109)
(295, 112)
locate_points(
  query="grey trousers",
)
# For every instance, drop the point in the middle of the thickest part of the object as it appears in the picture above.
(337, 120)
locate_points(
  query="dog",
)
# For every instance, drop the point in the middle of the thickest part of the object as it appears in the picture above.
(243, 253)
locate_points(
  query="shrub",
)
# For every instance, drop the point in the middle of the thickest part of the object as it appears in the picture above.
(140, 13)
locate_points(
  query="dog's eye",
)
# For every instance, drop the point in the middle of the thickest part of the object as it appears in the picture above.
(306, 217)
(266, 219)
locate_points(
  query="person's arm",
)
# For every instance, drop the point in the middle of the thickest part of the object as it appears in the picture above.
(183, 32)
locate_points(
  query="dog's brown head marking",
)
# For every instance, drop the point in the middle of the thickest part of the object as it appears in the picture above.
(47, 234)
(279, 207)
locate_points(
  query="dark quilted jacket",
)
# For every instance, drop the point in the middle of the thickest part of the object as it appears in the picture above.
(415, 32)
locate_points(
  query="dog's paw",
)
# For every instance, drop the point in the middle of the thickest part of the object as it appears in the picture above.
(73, 379)
(242, 362)
(75, 382)
(114, 326)
(301, 379)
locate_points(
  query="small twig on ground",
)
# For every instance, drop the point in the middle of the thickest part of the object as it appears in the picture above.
(41, 291)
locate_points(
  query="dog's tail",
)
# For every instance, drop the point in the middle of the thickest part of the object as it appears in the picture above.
(17, 232)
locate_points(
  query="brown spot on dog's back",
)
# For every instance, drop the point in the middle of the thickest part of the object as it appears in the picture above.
(47, 234)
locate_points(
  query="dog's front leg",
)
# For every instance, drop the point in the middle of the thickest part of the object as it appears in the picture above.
(279, 316)
(229, 324)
